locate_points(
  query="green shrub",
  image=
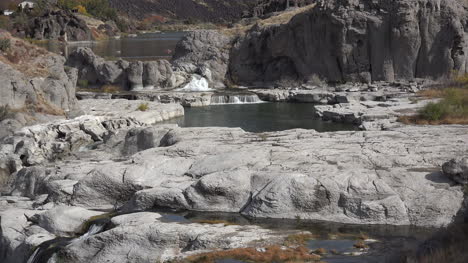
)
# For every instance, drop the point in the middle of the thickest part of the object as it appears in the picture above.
(143, 107)
(433, 111)
(452, 108)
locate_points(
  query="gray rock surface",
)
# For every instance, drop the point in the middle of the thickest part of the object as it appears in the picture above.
(206, 53)
(373, 177)
(145, 237)
(64, 220)
(362, 40)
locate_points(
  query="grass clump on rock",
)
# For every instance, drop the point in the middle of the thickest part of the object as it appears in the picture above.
(298, 239)
(143, 107)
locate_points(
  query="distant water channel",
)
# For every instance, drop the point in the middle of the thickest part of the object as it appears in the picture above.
(258, 117)
(147, 46)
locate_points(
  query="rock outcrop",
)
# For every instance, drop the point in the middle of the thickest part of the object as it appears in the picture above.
(206, 53)
(130, 75)
(351, 40)
(36, 86)
(59, 24)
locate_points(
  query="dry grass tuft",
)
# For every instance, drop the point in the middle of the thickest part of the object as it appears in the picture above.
(215, 222)
(285, 17)
(270, 254)
(25, 57)
(298, 239)
(360, 244)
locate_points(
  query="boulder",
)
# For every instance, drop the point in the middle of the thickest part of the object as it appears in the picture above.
(457, 170)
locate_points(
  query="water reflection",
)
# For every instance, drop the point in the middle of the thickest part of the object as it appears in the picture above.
(148, 46)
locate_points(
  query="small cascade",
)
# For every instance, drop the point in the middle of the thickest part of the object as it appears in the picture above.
(93, 230)
(47, 249)
(235, 99)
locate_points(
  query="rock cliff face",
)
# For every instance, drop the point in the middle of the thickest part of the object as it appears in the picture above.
(357, 40)
(56, 24)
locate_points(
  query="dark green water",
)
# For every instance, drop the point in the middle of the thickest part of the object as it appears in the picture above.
(261, 117)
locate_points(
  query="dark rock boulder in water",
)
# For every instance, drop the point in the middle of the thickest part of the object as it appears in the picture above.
(57, 24)
(357, 40)
(457, 170)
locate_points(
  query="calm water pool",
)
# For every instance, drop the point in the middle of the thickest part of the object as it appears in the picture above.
(260, 117)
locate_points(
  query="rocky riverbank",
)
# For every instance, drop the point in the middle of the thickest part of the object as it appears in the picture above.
(380, 177)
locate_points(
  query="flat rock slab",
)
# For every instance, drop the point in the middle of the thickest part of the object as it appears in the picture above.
(146, 112)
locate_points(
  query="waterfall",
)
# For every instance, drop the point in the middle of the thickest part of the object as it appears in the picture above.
(47, 249)
(235, 99)
(93, 230)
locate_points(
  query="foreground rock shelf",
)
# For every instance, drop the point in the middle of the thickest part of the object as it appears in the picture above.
(374, 177)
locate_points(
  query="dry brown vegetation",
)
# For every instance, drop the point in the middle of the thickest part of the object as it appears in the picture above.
(24, 57)
(360, 244)
(215, 222)
(298, 239)
(282, 18)
(271, 254)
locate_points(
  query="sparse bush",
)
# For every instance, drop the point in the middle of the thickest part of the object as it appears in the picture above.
(5, 44)
(143, 107)
(81, 9)
(433, 111)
